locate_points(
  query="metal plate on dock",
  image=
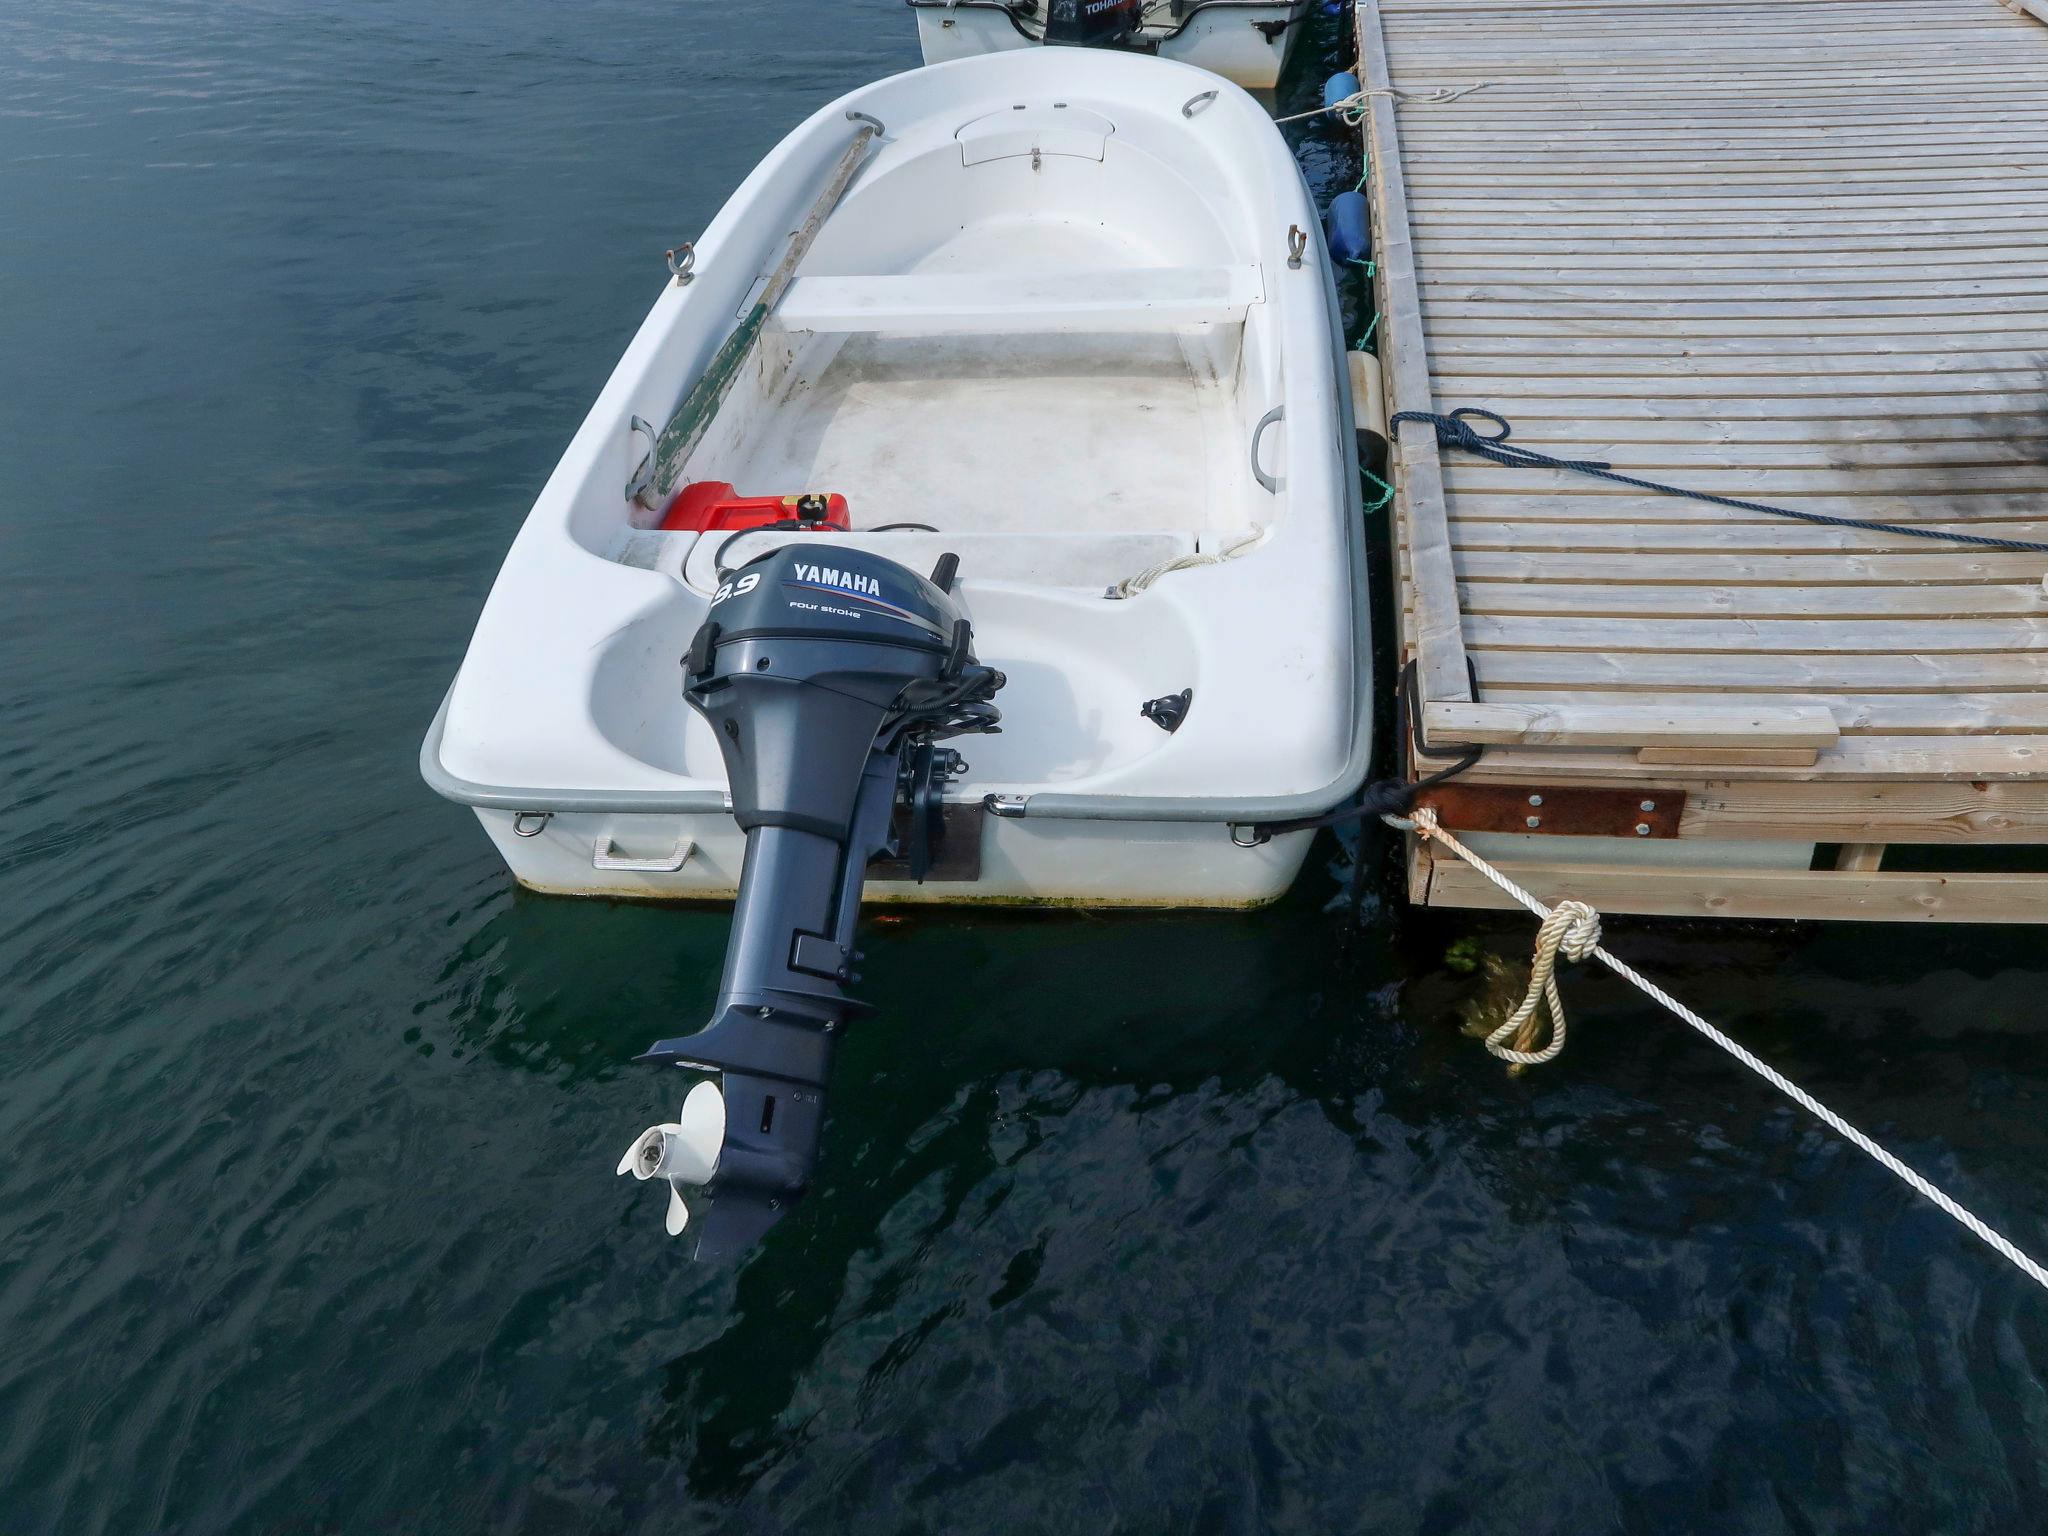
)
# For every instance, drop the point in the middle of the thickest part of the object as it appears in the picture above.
(1630, 813)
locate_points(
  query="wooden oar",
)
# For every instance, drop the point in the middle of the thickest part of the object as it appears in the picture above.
(693, 417)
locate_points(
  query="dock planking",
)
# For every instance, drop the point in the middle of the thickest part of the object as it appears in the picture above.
(1793, 251)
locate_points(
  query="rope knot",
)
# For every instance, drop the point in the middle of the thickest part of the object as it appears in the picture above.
(1572, 930)
(1579, 933)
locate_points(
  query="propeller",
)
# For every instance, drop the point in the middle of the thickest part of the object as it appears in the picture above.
(681, 1151)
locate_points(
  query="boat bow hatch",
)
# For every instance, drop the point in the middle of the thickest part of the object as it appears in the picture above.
(1025, 130)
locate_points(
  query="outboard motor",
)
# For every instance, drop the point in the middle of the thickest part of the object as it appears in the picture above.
(830, 675)
(1092, 23)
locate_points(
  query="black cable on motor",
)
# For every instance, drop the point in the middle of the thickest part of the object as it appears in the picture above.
(1455, 431)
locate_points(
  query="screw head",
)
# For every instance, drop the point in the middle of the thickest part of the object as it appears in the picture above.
(1535, 821)
(1642, 829)
(1648, 805)
(1535, 799)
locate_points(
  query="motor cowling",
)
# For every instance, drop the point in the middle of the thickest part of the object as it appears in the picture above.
(829, 675)
(1092, 23)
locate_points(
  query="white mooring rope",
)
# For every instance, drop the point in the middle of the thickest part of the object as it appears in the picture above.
(1352, 108)
(1574, 928)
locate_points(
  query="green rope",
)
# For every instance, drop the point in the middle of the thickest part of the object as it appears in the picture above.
(1386, 490)
(1368, 331)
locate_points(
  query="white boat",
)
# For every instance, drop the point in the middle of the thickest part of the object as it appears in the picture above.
(1065, 317)
(1245, 41)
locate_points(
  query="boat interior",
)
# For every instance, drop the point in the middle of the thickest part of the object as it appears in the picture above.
(1049, 382)
(1042, 335)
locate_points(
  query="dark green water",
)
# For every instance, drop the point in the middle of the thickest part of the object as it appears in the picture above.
(1205, 1224)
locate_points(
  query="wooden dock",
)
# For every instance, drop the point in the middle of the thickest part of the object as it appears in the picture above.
(1793, 251)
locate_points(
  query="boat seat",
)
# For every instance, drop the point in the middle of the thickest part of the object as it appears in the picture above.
(956, 303)
(1090, 561)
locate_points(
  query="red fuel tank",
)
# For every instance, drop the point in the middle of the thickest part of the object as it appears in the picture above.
(709, 506)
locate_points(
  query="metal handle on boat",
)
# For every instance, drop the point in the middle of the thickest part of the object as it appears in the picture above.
(604, 855)
(1258, 436)
(530, 823)
(643, 476)
(1196, 104)
(681, 259)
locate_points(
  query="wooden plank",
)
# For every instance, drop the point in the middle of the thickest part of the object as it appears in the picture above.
(1678, 601)
(1933, 563)
(1791, 894)
(1991, 513)
(1489, 351)
(1436, 634)
(1906, 333)
(1922, 759)
(1815, 451)
(1884, 712)
(1731, 807)
(1894, 181)
(1482, 265)
(1503, 528)
(1601, 725)
(1912, 380)
(1728, 757)
(1897, 636)
(1835, 675)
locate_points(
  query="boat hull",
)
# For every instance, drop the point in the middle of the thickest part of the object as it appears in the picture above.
(1022, 862)
(1227, 39)
(1091, 350)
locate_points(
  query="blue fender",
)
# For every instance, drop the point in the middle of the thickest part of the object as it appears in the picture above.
(1348, 227)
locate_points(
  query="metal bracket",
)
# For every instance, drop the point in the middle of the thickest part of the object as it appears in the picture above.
(681, 259)
(604, 855)
(872, 122)
(530, 823)
(1573, 812)
(1297, 245)
(1197, 103)
(956, 851)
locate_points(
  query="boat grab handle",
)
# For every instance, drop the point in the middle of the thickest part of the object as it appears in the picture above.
(1258, 436)
(604, 855)
(643, 472)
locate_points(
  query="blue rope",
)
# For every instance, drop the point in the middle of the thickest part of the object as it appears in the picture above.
(1455, 431)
